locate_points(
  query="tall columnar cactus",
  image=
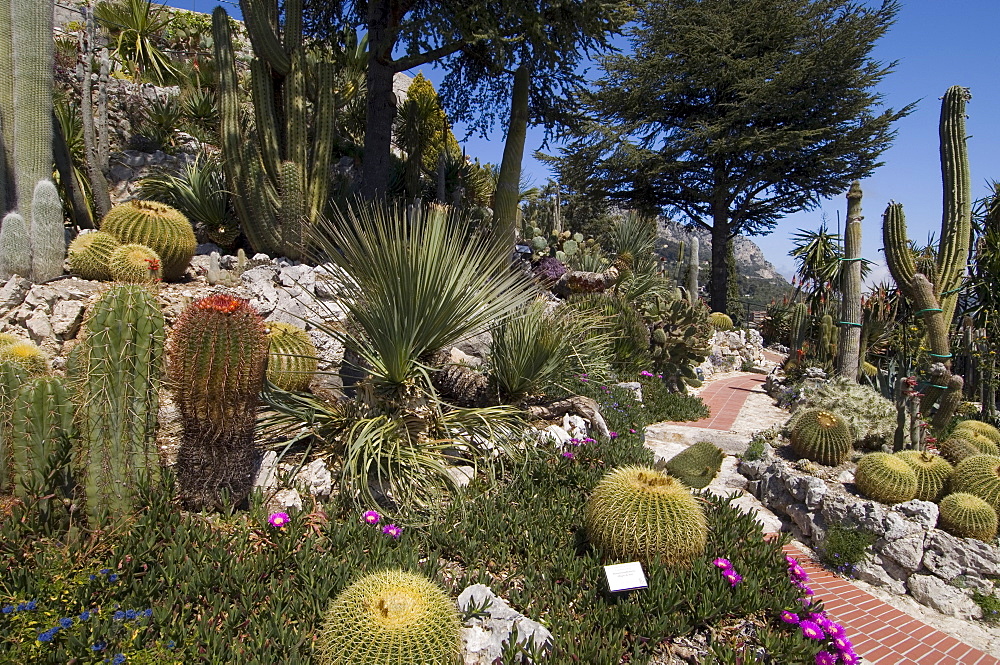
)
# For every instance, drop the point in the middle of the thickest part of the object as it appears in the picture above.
(48, 235)
(821, 436)
(935, 300)
(117, 376)
(163, 229)
(15, 247)
(284, 165)
(829, 337)
(693, 266)
(7, 194)
(291, 357)
(40, 435)
(933, 473)
(979, 475)
(885, 478)
(11, 378)
(799, 327)
(217, 354)
(405, 619)
(639, 513)
(89, 253)
(697, 465)
(849, 346)
(967, 516)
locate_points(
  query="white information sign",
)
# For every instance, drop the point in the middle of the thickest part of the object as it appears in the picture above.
(625, 577)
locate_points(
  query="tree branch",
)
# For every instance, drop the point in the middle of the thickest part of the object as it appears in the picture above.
(411, 61)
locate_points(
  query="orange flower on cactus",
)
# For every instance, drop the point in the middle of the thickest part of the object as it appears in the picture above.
(220, 302)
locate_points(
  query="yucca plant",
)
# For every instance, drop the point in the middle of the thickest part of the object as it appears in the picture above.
(134, 26)
(199, 191)
(419, 279)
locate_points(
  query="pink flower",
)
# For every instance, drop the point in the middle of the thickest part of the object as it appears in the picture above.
(645, 373)
(568, 455)
(392, 530)
(631, 431)
(371, 517)
(842, 643)
(811, 631)
(732, 577)
(825, 658)
(613, 435)
(850, 658)
(722, 563)
(278, 520)
(790, 617)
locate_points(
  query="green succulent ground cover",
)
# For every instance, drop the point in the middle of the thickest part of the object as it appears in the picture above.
(174, 587)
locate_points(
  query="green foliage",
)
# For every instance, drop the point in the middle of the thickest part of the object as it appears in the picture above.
(990, 604)
(89, 253)
(844, 548)
(218, 351)
(979, 475)
(401, 618)
(885, 478)
(820, 435)
(662, 404)
(968, 516)
(291, 357)
(933, 473)
(200, 193)
(134, 27)
(158, 226)
(618, 318)
(636, 512)
(679, 336)
(697, 465)
(31, 359)
(134, 264)
(117, 373)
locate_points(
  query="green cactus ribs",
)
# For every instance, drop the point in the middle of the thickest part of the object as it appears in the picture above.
(821, 436)
(885, 478)
(932, 471)
(158, 226)
(391, 617)
(967, 516)
(639, 513)
(134, 264)
(291, 357)
(40, 434)
(89, 253)
(979, 475)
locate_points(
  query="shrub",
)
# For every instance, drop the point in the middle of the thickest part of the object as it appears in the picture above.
(844, 548)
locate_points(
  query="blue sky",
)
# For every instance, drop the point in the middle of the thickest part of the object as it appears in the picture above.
(937, 44)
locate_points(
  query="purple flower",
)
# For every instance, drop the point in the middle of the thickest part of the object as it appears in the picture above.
(842, 643)
(722, 563)
(811, 630)
(568, 455)
(371, 517)
(645, 373)
(850, 658)
(790, 617)
(825, 658)
(278, 520)
(613, 435)
(631, 431)
(393, 531)
(732, 577)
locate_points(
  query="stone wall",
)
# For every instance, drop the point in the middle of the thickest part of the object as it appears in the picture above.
(909, 555)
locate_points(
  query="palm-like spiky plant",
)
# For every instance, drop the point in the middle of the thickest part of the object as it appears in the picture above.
(134, 26)
(199, 191)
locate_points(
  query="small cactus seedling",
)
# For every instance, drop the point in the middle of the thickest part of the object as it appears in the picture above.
(967, 516)
(391, 617)
(885, 478)
(639, 513)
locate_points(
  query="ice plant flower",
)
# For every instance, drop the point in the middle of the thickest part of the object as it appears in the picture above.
(645, 373)
(278, 520)
(722, 563)
(790, 617)
(371, 517)
(825, 658)
(732, 577)
(392, 530)
(568, 455)
(613, 435)
(811, 630)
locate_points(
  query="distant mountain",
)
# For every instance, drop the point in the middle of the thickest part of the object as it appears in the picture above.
(760, 282)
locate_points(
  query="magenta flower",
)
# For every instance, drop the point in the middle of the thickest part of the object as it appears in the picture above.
(631, 431)
(842, 643)
(645, 373)
(278, 520)
(850, 658)
(722, 563)
(838, 631)
(568, 455)
(613, 435)
(825, 658)
(790, 617)
(392, 530)
(371, 517)
(732, 577)
(811, 630)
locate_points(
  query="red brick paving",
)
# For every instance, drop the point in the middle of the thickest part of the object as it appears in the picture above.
(880, 632)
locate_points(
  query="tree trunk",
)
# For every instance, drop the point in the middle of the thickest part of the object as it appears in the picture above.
(849, 349)
(509, 180)
(381, 104)
(719, 286)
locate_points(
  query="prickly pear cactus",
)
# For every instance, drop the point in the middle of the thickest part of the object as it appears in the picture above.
(933, 473)
(678, 341)
(821, 435)
(639, 513)
(391, 617)
(163, 229)
(89, 253)
(697, 465)
(885, 478)
(291, 357)
(967, 516)
(979, 475)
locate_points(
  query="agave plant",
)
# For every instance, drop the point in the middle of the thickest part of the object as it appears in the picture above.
(134, 26)
(418, 279)
(199, 192)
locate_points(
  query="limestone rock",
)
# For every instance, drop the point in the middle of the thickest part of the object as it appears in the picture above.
(924, 513)
(485, 635)
(67, 315)
(287, 500)
(881, 572)
(933, 592)
(13, 292)
(315, 478)
(907, 552)
(38, 325)
(266, 477)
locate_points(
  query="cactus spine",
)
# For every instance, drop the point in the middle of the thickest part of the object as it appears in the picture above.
(849, 345)
(405, 619)
(291, 357)
(933, 473)
(639, 513)
(15, 247)
(217, 352)
(7, 198)
(799, 326)
(89, 253)
(40, 434)
(118, 381)
(967, 516)
(885, 478)
(693, 266)
(821, 436)
(979, 475)
(48, 235)
(286, 172)
(134, 264)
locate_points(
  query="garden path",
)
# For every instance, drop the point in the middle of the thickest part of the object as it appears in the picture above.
(881, 633)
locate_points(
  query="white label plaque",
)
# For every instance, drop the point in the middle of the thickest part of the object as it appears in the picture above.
(625, 577)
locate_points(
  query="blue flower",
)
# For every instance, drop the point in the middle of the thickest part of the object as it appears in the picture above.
(171, 644)
(99, 646)
(47, 635)
(130, 614)
(105, 571)
(118, 616)
(21, 607)
(149, 612)
(85, 615)
(118, 659)
(66, 623)
(113, 578)
(7, 609)
(31, 605)
(93, 577)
